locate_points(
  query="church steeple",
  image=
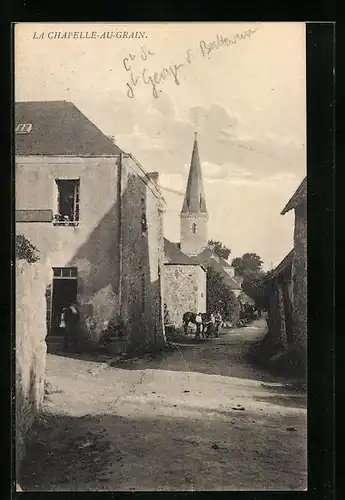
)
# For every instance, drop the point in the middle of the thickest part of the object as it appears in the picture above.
(194, 215)
(194, 201)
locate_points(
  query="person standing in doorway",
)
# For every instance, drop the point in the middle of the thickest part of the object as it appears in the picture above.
(71, 320)
(62, 326)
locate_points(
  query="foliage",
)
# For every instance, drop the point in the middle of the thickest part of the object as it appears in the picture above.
(248, 266)
(25, 250)
(220, 249)
(219, 296)
(250, 288)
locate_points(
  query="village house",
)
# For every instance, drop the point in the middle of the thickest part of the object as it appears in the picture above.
(285, 289)
(95, 216)
(186, 262)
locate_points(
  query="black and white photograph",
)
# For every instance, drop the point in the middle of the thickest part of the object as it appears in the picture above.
(160, 256)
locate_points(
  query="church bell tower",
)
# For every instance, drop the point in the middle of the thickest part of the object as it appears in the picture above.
(194, 216)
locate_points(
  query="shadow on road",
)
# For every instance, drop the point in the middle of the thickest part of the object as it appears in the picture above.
(116, 453)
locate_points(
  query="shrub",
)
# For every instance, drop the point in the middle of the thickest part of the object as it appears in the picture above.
(25, 250)
(220, 296)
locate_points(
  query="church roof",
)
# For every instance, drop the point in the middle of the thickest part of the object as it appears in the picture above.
(194, 201)
(173, 255)
(58, 128)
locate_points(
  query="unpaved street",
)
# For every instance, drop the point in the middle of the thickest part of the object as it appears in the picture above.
(196, 418)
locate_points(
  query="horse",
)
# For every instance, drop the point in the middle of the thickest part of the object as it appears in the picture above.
(201, 328)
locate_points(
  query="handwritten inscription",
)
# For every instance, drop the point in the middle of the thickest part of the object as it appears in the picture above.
(141, 76)
(155, 79)
(221, 41)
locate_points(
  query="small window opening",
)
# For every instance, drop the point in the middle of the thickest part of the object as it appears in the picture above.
(194, 227)
(23, 128)
(143, 217)
(68, 203)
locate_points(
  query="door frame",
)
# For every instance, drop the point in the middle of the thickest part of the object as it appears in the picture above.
(58, 276)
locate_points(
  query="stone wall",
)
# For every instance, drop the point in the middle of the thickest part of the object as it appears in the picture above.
(142, 257)
(299, 272)
(184, 291)
(276, 319)
(31, 280)
(193, 242)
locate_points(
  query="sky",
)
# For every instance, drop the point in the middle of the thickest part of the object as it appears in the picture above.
(246, 101)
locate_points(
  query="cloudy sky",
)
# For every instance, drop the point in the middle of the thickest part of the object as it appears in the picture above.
(246, 100)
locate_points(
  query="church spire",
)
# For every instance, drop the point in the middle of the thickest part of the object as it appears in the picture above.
(194, 217)
(194, 201)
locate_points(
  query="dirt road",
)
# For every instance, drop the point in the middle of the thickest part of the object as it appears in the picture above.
(197, 418)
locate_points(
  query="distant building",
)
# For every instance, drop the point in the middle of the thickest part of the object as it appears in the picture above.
(186, 262)
(96, 217)
(184, 283)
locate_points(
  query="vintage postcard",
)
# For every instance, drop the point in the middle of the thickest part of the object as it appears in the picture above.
(161, 256)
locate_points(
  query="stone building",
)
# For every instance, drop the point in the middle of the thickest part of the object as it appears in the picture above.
(298, 203)
(95, 216)
(277, 288)
(186, 262)
(285, 289)
(184, 283)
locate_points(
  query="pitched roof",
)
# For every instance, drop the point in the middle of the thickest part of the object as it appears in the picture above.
(59, 128)
(206, 258)
(209, 253)
(194, 201)
(279, 269)
(298, 197)
(173, 255)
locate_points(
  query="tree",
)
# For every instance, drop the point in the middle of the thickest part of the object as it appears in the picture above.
(248, 266)
(220, 249)
(219, 296)
(25, 249)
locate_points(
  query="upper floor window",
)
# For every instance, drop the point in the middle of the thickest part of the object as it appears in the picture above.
(67, 202)
(194, 227)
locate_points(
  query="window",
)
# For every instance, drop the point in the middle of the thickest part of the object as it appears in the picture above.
(23, 128)
(67, 203)
(194, 227)
(65, 272)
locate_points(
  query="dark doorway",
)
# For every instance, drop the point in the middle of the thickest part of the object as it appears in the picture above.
(64, 292)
